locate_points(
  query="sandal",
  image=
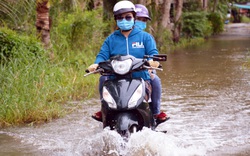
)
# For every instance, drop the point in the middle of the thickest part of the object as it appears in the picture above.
(162, 117)
(97, 116)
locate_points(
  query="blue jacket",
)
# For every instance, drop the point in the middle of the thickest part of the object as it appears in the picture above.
(138, 44)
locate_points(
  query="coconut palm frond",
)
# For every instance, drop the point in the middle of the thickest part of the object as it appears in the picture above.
(30, 4)
(9, 10)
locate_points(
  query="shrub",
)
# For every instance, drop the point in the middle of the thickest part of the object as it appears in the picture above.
(195, 24)
(79, 30)
(77, 37)
(11, 44)
(217, 22)
(164, 41)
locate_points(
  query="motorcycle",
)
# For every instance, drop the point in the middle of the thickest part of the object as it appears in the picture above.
(125, 101)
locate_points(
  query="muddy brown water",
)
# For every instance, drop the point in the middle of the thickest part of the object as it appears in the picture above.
(206, 92)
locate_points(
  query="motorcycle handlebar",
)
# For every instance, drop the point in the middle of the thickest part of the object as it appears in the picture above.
(101, 70)
(159, 57)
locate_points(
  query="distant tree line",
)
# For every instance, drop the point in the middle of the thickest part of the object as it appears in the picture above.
(168, 16)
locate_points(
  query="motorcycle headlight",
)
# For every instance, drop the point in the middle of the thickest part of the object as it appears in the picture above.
(135, 97)
(108, 98)
(121, 67)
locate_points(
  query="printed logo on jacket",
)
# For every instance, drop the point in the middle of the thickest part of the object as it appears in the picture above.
(137, 45)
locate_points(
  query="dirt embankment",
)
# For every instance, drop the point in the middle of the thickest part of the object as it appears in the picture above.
(237, 29)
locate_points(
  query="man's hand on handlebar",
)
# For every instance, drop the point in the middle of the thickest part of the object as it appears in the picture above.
(92, 67)
(154, 64)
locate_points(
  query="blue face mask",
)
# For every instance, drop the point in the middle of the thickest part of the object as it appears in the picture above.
(124, 24)
(140, 24)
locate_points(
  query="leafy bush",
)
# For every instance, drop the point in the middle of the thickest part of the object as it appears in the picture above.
(195, 24)
(78, 36)
(192, 5)
(164, 41)
(217, 22)
(11, 43)
(79, 30)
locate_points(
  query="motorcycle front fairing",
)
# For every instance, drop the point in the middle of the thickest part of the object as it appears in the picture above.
(124, 110)
(108, 68)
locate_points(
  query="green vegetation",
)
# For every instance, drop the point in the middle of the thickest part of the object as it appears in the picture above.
(35, 89)
(217, 22)
(245, 19)
(196, 24)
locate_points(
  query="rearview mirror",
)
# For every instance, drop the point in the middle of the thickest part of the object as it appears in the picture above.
(160, 57)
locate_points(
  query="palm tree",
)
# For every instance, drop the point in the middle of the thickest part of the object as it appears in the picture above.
(43, 22)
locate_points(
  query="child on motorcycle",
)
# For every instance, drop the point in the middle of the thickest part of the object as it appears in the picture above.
(142, 16)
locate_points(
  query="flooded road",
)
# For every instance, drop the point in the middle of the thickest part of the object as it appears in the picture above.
(206, 92)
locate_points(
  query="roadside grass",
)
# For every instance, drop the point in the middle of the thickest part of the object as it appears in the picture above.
(35, 89)
(36, 92)
(184, 42)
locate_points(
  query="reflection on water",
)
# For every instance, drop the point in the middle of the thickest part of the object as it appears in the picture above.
(205, 92)
(207, 88)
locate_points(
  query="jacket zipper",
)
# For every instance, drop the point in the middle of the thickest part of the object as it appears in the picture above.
(127, 45)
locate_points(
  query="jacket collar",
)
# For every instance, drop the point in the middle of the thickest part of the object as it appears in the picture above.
(134, 31)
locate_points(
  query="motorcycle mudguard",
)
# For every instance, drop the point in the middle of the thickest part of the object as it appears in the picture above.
(125, 121)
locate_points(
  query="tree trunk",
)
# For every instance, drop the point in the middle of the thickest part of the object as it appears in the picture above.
(108, 8)
(155, 12)
(215, 5)
(177, 22)
(204, 4)
(42, 22)
(143, 2)
(165, 21)
(98, 3)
